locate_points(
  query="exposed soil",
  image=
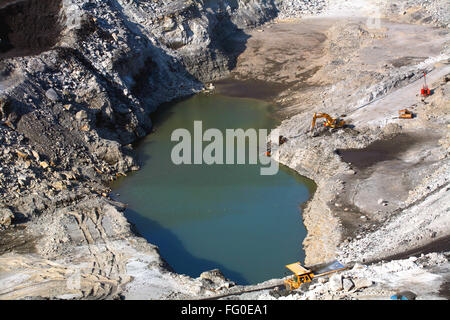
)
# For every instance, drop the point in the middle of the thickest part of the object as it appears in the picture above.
(16, 239)
(284, 53)
(256, 89)
(382, 150)
(440, 245)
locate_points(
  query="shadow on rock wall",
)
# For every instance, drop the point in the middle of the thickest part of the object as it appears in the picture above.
(29, 27)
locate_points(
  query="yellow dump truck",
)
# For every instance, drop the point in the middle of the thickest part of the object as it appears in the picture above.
(304, 275)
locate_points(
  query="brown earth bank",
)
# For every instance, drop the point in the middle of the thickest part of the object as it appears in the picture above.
(70, 113)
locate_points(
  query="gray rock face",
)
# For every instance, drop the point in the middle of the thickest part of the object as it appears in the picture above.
(436, 12)
(347, 284)
(6, 216)
(296, 8)
(361, 283)
(81, 115)
(213, 275)
(215, 279)
(52, 95)
(335, 282)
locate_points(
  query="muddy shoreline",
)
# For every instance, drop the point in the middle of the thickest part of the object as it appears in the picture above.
(255, 89)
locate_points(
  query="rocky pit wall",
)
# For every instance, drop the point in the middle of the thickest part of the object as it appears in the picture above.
(70, 114)
(73, 99)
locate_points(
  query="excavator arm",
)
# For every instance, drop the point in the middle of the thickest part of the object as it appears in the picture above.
(314, 122)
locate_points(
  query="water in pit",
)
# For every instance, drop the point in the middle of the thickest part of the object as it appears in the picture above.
(219, 216)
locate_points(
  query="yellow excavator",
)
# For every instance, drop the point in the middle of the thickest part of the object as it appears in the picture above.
(329, 121)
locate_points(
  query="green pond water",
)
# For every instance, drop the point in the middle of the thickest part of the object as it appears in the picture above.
(219, 216)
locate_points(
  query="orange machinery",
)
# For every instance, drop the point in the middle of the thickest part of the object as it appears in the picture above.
(405, 114)
(425, 91)
(329, 121)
